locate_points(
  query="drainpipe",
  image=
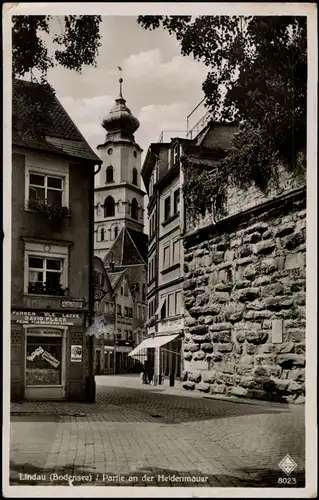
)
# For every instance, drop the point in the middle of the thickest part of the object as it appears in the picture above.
(90, 380)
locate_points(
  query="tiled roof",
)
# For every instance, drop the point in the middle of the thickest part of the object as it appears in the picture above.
(58, 132)
(129, 248)
(115, 278)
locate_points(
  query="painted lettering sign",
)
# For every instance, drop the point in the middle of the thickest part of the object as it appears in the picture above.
(46, 318)
(72, 304)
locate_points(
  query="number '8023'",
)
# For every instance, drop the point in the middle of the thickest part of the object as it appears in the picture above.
(287, 480)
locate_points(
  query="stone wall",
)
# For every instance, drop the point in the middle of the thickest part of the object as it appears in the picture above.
(242, 275)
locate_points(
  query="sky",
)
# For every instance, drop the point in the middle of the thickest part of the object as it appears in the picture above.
(161, 87)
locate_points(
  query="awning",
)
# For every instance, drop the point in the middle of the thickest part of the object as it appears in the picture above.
(153, 342)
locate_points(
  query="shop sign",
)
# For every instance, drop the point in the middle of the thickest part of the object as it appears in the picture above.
(123, 348)
(76, 353)
(72, 304)
(47, 318)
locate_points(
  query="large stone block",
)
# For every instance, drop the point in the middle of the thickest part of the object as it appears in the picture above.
(297, 374)
(265, 247)
(239, 392)
(209, 376)
(199, 355)
(227, 367)
(257, 314)
(300, 348)
(281, 384)
(250, 348)
(250, 271)
(193, 347)
(194, 376)
(217, 327)
(198, 329)
(267, 371)
(188, 385)
(242, 284)
(189, 284)
(269, 266)
(236, 242)
(188, 356)
(200, 364)
(295, 240)
(201, 338)
(285, 229)
(217, 257)
(285, 347)
(265, 359)
(257, 336)
(247, 294)
(227, 347)
(244, 261)
(224, 287)
(233, 311)
(218, 388)
(266, 349)
(276, 303)
(272, 289)
(207, 347)
(300, 298)
(202, 386)
(252, 238)
(289, 360)
(295, 261)
(219, 297)
(295, 334)
(262, 280)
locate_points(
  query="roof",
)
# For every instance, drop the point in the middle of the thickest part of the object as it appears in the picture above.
(51, 129)
(129, 248)
(115, 278)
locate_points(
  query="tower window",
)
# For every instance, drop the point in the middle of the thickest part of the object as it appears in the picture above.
(102, 234)
(135, 154)
(109, 207)
(116, 231)
(110, 151)
(134, 180)
(134, 209)
(109, 174)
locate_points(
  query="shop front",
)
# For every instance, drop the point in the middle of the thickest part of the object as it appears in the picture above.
(48, 356)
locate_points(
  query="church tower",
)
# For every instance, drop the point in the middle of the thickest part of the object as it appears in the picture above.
(118, 195)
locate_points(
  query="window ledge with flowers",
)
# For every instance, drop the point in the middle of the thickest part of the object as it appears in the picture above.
(49, 211)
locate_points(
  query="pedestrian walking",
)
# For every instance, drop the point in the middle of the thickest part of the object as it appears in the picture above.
(145, 372)
(150, 374)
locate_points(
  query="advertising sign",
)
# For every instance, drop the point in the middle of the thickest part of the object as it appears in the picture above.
(46, 318)
(76, 353)
(50, 359)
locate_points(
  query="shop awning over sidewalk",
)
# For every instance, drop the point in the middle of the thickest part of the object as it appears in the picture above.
(153, 342)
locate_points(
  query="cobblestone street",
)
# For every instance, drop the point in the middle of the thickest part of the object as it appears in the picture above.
(155, 431)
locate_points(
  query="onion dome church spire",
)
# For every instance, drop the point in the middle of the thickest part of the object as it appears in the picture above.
(120, 123)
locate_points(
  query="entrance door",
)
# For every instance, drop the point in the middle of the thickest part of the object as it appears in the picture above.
(45, 363)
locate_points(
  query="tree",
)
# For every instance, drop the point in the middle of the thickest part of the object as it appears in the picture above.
(76, 41)
(257, 76)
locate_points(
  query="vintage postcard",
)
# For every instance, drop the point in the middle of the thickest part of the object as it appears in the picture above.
(160, 194)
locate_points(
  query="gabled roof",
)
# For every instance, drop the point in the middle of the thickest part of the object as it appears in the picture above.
(115, 278)
(129, 248)
(34, 102)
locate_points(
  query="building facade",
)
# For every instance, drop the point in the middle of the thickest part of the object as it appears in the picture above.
(52, 253)
(163, 179)
(119, 197)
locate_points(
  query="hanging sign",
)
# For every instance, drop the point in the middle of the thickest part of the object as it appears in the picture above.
(72, 304)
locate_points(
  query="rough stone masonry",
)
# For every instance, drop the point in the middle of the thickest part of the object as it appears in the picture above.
(244, 298)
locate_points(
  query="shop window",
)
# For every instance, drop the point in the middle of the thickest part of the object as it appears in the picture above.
(109, 207)
(44, 357)
(134, 209)
(109, 174)
(134, 176)
(167, 208)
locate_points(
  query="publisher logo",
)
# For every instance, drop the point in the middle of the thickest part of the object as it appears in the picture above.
(287, 465)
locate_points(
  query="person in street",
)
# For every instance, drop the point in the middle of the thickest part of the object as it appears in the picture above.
(150, 374)
(145, 372)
